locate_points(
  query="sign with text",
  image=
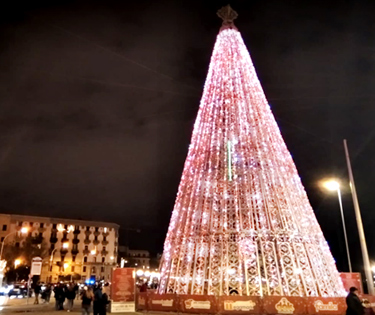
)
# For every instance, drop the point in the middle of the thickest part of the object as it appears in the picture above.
(142, 298)
(123, 290)
(162, 302)
(239, 304)
(352, 279)
(197, 304)
(284, 305)
(122, 307)
(36, 266)
(326, 305)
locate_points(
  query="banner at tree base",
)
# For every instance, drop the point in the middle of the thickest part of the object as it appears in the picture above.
(352, 279)
(326, 305)
(163, 302)
(273, 305)
(284, 305)
(197, 304)
(239, 304)
(123, 290)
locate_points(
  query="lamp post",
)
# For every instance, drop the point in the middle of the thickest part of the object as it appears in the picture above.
(65, 246)
(334, 185)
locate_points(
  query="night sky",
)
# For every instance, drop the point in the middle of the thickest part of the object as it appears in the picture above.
(98, 100)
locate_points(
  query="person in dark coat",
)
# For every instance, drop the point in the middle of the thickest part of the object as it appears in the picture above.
(70, 295)
(37, 288)
(59, 297)
(353, 302)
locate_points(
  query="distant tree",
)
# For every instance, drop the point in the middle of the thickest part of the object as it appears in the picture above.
(31, 247)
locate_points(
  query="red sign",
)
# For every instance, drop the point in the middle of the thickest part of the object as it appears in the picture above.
(142, 298)
(198, 304)
(326, 305)
(163, 302)
(284, 305)
(123, 285)
(352, 279)
(239, 304)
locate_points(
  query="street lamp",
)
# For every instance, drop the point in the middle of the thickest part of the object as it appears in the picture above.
(23, 230)
(17, 262)
(64, 245)
(334, 185)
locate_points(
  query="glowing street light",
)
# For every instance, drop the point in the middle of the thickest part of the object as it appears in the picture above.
(334, 185)
(17, 262)
(66, 265)
(65, 245)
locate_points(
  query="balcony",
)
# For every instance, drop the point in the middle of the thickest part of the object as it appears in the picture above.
(105, 234)
(86, 252)
(75, 251)
(96, 233)
(75, 241)
(53, 240)
(105, 242)
(87, 233)
(76, 231)
(95, 242)
(87, 241)
(104, 252)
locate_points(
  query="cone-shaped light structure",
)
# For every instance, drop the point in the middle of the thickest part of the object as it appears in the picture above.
(242, 223)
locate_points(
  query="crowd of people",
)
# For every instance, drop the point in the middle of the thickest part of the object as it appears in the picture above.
(93, 298)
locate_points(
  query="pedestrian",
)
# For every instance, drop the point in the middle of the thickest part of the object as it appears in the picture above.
(59, 297)
(98, 303)
(48, 291)
(36, 292)
(86, 297)
(353, 302)
(105, 300)
(70, 295)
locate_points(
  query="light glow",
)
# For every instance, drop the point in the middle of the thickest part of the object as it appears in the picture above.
(332, 185)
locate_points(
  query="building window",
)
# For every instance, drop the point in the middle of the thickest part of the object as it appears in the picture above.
(102, 269)
(31, 223)
(5, 227)
(103, 259)
(104, 248)
(87, 228)
(104, 238)
(84, 268)
(85, 259)
(96, 229)
(17, 244)
(19, 223)
(54, 226)
(93, 270)
(73, 259)
(41, 225)
(40, 234)
(94, 259)
(2, 239)
(72, 268)
(86, 247)
(50, 268)
(96, 238)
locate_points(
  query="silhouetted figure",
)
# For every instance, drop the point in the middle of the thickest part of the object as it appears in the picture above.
(353, 302)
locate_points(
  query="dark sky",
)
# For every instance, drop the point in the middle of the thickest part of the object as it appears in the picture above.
(98, 100)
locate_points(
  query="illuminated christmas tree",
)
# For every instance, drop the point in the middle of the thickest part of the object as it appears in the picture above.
(242, 223)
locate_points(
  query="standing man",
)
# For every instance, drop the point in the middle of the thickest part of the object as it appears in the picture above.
(36, 292)
(353, 302)
(70, 295)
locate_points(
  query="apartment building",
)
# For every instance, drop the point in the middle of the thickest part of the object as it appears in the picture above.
(76, 249)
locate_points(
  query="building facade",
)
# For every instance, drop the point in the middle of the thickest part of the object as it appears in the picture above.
(75, 249)
(136, 258)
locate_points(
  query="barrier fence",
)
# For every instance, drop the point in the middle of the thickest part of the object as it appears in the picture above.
(209, 304)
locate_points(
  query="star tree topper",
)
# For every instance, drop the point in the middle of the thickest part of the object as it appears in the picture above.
(228, 15)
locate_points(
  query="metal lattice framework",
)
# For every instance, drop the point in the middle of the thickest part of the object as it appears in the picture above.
(242, 223)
